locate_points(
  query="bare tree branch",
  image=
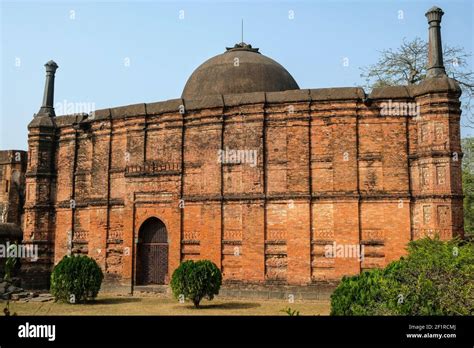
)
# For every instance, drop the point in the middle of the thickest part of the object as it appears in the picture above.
(407, 65)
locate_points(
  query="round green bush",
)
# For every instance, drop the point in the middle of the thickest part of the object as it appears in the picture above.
(76, 279)
(435, 278)
(196, 280)
(360, 295)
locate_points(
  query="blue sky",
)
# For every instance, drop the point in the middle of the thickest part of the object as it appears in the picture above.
(92, 42)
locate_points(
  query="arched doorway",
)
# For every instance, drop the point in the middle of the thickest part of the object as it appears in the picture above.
(152, 252)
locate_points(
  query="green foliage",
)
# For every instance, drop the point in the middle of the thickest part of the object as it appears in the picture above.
(291, 312)
(362, 294)
(436, 278)
(467, 145)
(468, 204)
(10, 262)
(76, 279)
(196, 280)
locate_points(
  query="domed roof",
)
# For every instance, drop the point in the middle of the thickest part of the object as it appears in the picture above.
(241, 69)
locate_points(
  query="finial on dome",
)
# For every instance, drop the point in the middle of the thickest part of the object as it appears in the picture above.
(242, 46)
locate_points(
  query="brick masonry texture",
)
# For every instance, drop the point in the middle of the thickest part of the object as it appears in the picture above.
(330, 168)
(12, 185)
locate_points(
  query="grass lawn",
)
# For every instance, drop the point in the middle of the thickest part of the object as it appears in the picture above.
(111, 304)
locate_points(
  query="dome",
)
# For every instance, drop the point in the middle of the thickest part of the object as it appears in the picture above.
(241, 69)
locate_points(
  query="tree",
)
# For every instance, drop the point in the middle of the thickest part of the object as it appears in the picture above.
(407, 65)
(467, 145)
(196, 280)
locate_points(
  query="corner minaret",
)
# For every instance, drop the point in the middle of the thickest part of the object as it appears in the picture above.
(435, 160)
(435, 49)
(47, 108)
(38, 224)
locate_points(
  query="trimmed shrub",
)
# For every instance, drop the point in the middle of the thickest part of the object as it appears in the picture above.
(76, 279)
(196, 280)
(436, 278)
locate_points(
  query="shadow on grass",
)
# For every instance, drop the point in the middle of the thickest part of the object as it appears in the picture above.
(114, 301)
(225, 306)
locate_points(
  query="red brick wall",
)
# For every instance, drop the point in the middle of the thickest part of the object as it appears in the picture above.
(330, 168)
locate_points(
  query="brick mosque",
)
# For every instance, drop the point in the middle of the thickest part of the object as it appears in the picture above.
(245, 169)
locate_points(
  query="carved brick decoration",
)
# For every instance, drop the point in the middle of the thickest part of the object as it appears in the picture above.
(441, 175)
(439, 132)
(443, 215)
(426, 214)
(425, 134)
(425, 176)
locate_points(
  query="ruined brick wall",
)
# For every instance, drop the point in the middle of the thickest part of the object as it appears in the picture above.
(12, 185)
(331, 166)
